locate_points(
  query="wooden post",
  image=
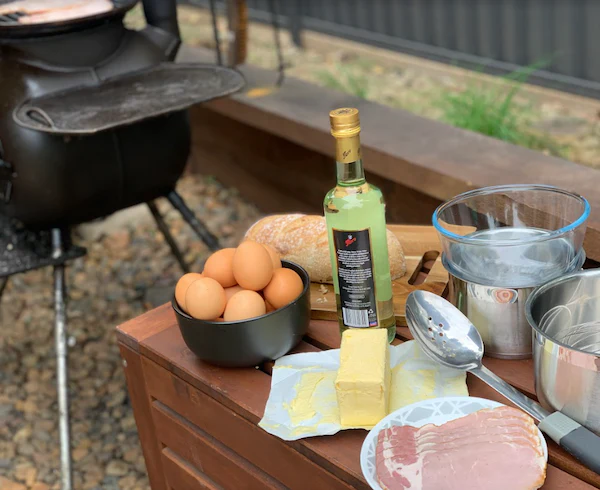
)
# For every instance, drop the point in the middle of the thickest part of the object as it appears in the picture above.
(237, 20)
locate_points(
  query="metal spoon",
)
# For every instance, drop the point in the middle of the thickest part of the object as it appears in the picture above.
(448, 337)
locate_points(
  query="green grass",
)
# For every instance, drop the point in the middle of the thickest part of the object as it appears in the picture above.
(345, 80)
(493, 111)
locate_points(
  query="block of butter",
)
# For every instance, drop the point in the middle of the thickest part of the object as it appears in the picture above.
(363, 379)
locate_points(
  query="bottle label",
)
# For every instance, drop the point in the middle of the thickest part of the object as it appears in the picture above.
(355, 276)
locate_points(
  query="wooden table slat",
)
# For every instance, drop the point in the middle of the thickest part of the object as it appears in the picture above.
(145, 326)
(183, 476)
(270, 454)
(557, 479)
(267, 367)
(219, 463)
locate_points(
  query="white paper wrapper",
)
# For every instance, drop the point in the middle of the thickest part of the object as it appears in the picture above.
(303, 401)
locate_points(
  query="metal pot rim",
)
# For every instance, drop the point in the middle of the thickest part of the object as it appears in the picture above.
(537, 292)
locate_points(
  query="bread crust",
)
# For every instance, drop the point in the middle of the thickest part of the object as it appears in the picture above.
(302, 239)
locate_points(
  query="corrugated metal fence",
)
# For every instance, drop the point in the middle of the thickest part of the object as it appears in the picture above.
(496, 35)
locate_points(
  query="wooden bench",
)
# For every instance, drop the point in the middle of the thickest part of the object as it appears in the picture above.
(198, 423)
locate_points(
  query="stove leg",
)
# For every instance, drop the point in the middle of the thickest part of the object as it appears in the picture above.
(3, 283)
(60, 339)
(162, 226)
(199, 228)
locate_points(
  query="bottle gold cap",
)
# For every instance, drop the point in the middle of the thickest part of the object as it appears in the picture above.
(344, 121)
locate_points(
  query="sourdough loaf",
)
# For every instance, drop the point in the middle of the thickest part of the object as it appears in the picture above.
(302, 239)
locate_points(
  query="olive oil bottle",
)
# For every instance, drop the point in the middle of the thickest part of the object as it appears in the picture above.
(355, 215)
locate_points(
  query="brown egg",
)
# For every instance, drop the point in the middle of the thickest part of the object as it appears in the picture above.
(219, 267)
(182, 286)
(284, 288)
(205, 299)
(252, 266)
(269, 307)
(274, 256)
(244, 305)
(229, 292)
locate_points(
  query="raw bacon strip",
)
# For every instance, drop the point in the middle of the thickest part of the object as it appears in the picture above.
(496, 449)
(496, 467)
(483, 439)
(451, 438)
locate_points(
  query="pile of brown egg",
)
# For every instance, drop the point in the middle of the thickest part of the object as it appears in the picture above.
(238, 284)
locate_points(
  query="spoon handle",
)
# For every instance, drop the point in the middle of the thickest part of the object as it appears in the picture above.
(519, 399)
(579, 441)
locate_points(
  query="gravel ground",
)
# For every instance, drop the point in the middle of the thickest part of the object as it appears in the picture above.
(127, 257)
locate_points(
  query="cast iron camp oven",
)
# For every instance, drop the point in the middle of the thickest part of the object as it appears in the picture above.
(92, 115)
(93, 119)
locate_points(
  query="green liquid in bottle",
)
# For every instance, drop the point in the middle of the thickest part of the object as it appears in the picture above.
(355, 216)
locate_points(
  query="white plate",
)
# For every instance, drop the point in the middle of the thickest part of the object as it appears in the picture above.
(435, 411)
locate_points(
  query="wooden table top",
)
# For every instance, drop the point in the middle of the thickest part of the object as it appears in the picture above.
(156, 336)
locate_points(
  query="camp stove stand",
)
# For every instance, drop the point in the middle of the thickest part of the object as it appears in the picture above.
(93, 119)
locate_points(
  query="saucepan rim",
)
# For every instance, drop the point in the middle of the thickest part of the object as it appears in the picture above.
(540, 290)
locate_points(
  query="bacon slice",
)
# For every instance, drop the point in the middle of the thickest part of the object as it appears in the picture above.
(492, 449)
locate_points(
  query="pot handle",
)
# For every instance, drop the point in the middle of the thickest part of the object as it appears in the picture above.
(576, 439)
(162, 14)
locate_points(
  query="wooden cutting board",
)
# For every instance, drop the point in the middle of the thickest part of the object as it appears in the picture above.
(424, 270)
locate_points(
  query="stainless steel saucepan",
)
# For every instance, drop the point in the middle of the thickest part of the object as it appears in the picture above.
(565, 317)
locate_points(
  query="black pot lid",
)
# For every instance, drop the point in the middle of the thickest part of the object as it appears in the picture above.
(127, 99)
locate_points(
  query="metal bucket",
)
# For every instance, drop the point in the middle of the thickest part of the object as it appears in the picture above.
(497, 312)
(565, 317)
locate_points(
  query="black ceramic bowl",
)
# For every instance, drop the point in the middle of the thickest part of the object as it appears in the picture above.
(247, 343)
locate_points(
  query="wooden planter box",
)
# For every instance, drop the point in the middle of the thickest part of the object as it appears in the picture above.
(277, 150)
